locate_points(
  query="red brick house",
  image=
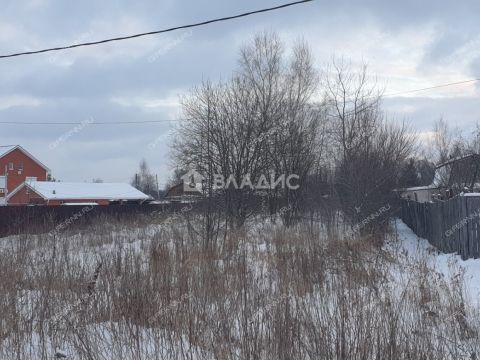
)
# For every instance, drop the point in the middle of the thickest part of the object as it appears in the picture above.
(17, 166)
(23, 181)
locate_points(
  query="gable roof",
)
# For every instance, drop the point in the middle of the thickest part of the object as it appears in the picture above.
(76, 191)
(7, 149)
(176, 190)
(179, 190)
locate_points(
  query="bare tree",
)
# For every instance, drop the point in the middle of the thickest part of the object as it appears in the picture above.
(370, 150)
(443, 140)
(260, 121)
(265, 120)
(144, 180)
(295, 147)
(354, 103)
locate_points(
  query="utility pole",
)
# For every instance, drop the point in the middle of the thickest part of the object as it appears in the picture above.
(158, 190)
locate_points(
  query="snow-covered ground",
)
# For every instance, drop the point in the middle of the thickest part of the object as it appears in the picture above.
(405, 291)
(414, 249)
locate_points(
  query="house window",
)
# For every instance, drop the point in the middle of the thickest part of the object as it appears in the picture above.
(3, 184)
(10, 166)
(20, 166)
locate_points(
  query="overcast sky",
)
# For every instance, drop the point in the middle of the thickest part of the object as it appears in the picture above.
(407, 44)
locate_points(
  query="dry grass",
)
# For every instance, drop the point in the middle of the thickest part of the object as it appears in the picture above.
(267, 293)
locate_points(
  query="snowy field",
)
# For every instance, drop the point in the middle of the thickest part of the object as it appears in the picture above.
(415, 249)
(158, 292)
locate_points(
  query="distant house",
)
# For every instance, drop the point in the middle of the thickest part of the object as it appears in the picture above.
(460, 174)
(183, 194)
(420, 193)
(452, 177)
(70, 193)
(17, 166)
(189, 189)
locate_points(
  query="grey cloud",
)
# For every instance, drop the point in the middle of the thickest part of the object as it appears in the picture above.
(85, 88)
(476, 67)
(457, 111)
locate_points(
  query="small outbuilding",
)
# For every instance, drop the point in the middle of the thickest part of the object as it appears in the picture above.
(182, 194)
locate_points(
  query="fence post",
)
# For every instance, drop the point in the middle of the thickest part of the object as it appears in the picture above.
(465, 231)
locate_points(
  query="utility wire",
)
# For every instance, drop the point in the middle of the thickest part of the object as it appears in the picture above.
(89, 123)
(155, 32)
(380, 95)
(177, 120)
(399, 93)
(431, 87)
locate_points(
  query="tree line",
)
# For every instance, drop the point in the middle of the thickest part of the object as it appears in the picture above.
(279, 114)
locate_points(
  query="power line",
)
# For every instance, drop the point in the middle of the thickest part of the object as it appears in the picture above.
(89, 123)
(380, 96)
(431, 87)
(156, 32)
(178, 120)
(411, 91)
(400, 93)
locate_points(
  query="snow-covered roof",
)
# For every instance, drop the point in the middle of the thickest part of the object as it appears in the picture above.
(80, 204)
(91, 191)
(5, 149)
(471, 194)
(428, 187)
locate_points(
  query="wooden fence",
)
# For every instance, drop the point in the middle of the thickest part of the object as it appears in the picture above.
(450, 226)
(37, 219)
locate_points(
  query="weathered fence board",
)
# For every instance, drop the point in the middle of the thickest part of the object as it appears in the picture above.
(450, 226)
